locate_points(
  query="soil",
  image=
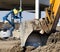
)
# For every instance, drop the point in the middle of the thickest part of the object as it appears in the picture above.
(51, 46)
(10, 46)
(14, 46)
(54, 47)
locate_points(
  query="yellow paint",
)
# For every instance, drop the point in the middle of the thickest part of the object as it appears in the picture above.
(48, 17)
(56, 6)
(52, 1)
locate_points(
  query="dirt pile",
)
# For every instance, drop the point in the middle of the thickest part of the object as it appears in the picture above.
(48, 48)
(10, 46)
(52, 45)
(29, 48)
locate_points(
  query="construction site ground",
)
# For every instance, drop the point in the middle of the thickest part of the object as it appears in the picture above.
(52, 47)
(12, 45)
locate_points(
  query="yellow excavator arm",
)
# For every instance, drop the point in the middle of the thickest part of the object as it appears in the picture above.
(52, 1)
(52, 16)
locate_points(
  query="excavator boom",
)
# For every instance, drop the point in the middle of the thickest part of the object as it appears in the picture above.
(52, 16)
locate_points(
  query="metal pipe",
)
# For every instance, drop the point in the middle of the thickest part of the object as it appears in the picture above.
(20, 4)
(36, 9)
(20, 14)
